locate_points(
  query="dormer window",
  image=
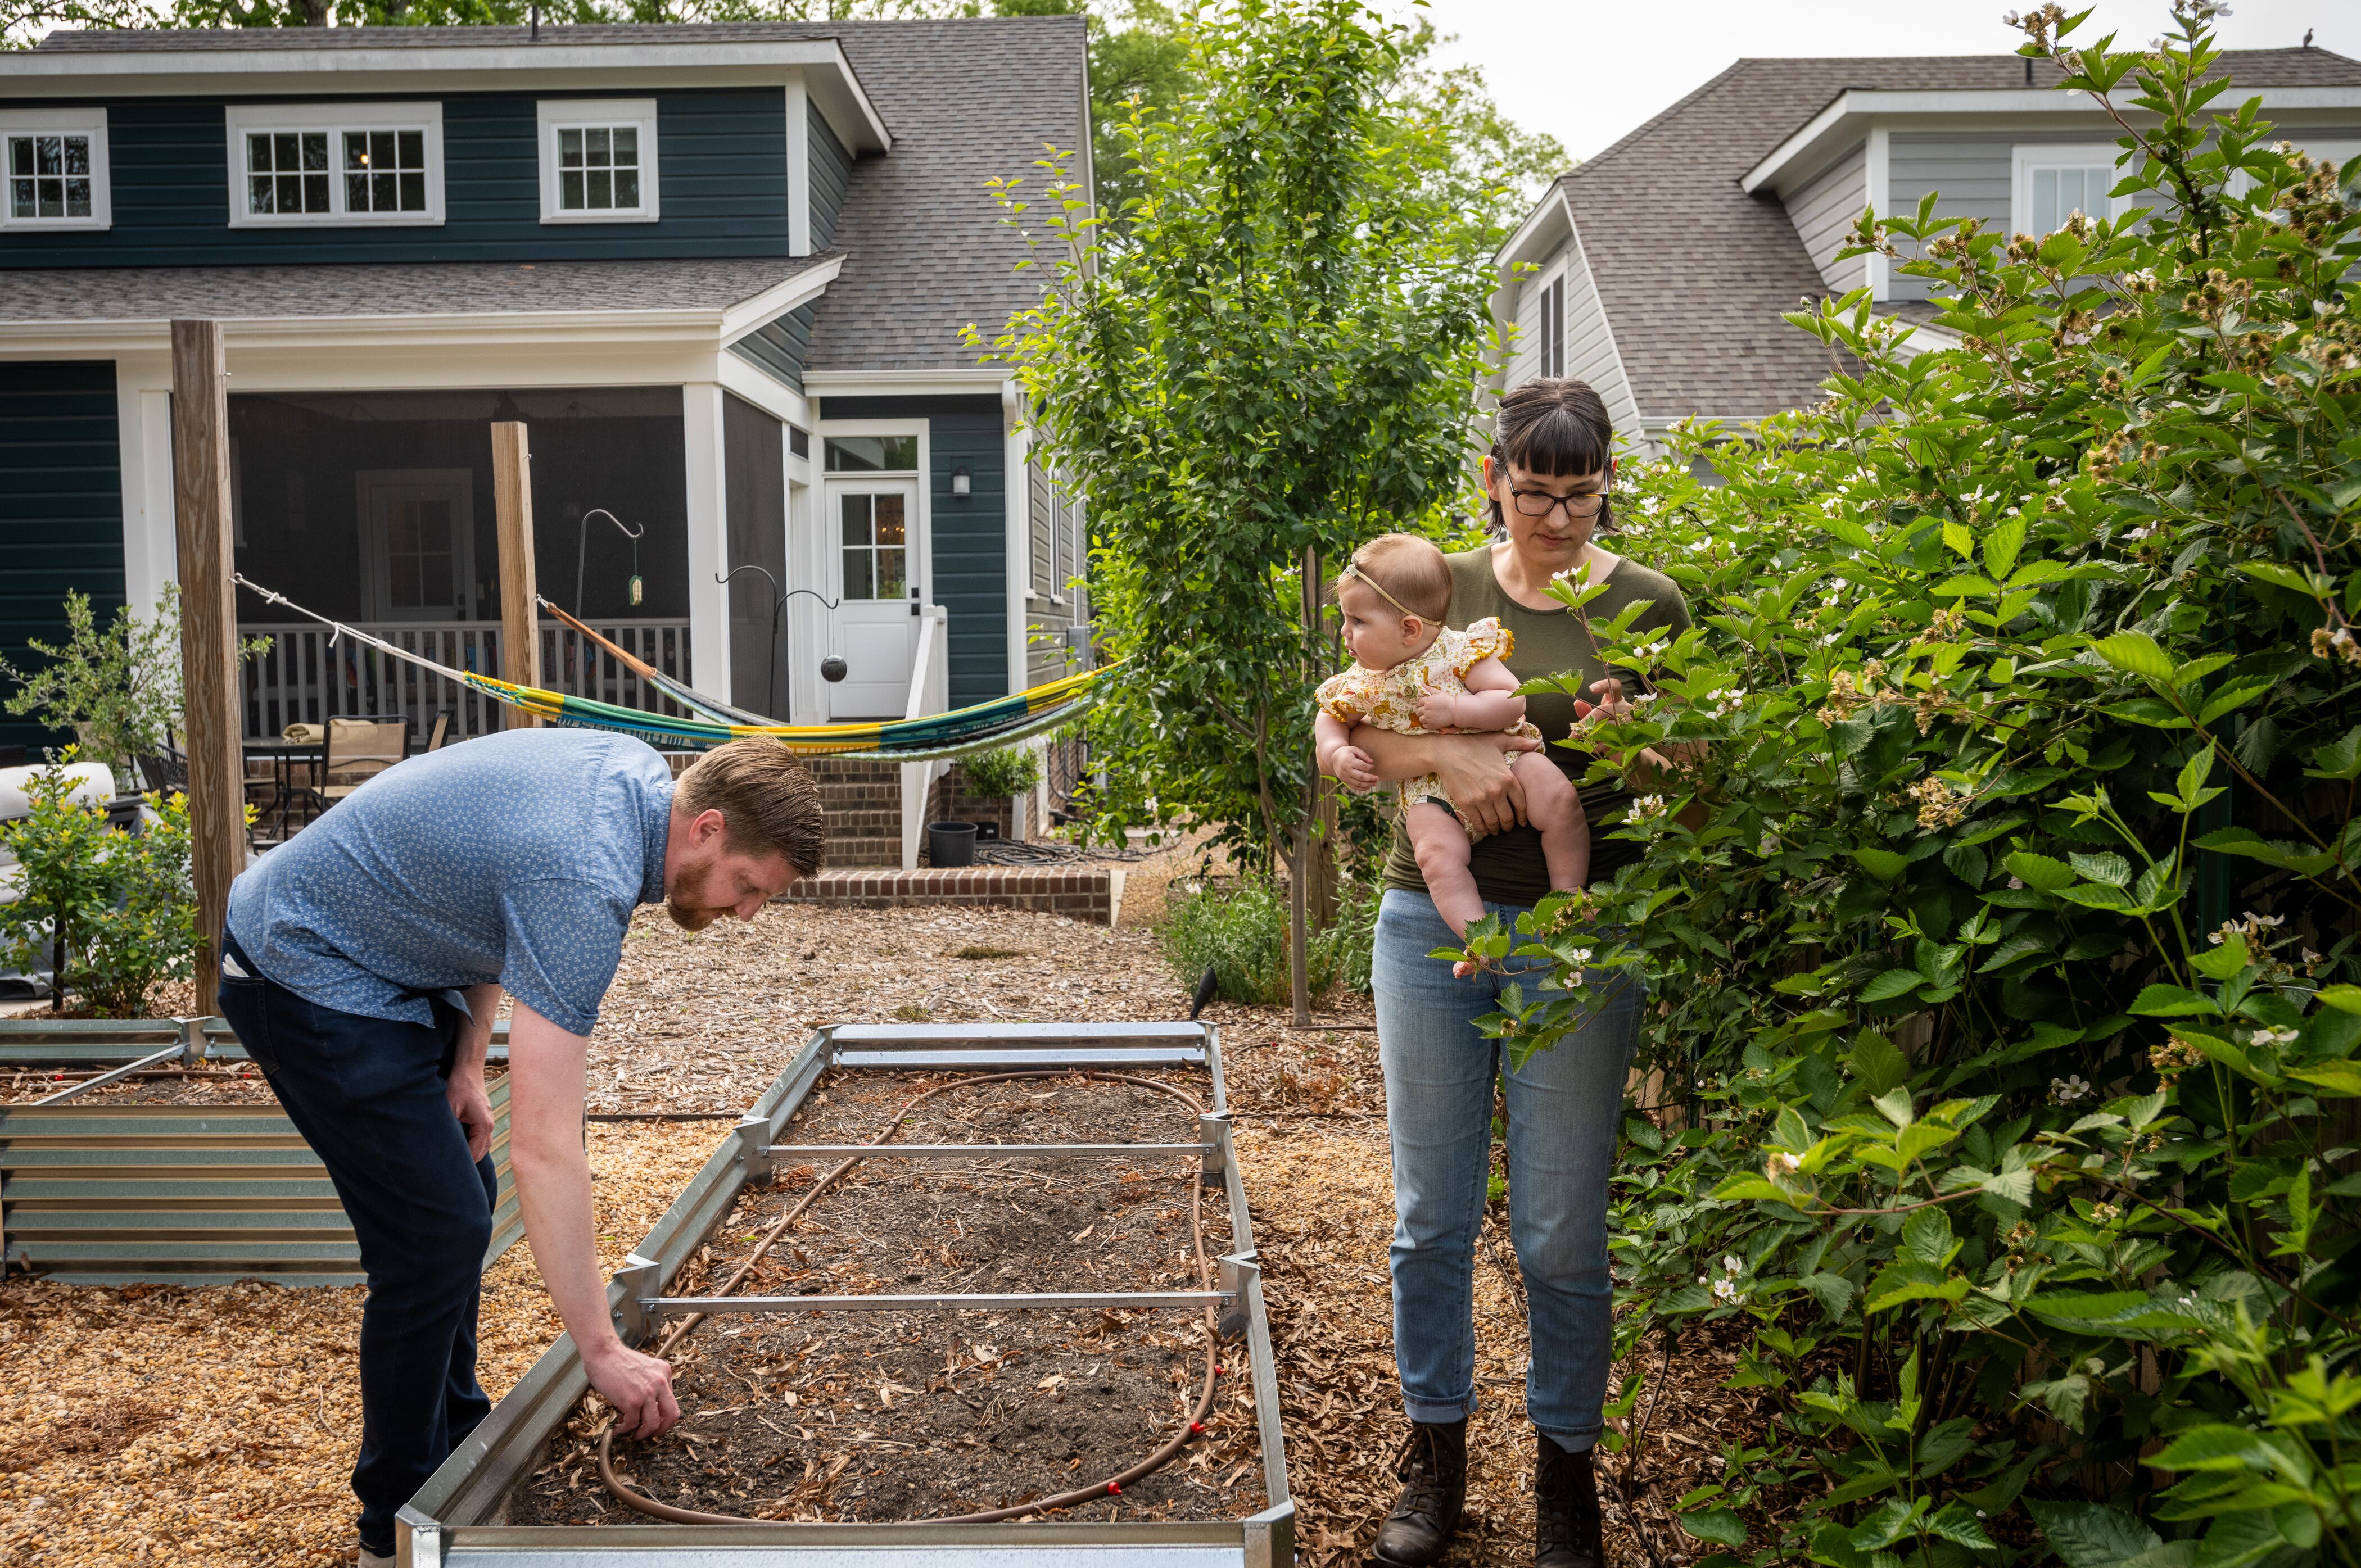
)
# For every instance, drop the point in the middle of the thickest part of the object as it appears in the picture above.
(336, 165)
(599, 160)
(54, 162)
(2053, 183)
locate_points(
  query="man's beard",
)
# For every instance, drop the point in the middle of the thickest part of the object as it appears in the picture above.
(684, 907)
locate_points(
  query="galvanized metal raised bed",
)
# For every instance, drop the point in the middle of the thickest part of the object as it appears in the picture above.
(114, 1194)
(457, 1519)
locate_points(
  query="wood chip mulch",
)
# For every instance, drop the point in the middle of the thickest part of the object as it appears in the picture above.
(217, 1426)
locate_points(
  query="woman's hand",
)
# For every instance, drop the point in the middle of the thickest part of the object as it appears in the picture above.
(1612, 707)
(1486, 794)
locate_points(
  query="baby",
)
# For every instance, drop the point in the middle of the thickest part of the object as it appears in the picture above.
(1414, 676)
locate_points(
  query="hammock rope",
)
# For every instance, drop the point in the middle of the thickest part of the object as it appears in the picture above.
(960, 732)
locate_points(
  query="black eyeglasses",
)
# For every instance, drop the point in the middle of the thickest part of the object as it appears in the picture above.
(1541, 503)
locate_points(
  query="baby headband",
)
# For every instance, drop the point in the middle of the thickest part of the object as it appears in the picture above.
(1353, 569)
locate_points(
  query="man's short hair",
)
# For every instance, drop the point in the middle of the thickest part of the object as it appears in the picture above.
(768, 800)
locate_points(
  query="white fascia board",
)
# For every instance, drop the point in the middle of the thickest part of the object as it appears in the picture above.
(1546, 215)
(1792, 158)
(521, 328)
(748, 315)
(970, 382)
(531, 68)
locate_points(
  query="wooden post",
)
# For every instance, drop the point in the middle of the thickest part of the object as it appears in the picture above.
(520, 614)
(209, 703)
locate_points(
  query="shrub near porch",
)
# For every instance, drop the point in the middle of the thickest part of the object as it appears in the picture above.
(2004, 977)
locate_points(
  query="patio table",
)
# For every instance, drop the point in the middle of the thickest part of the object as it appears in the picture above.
(284, 755)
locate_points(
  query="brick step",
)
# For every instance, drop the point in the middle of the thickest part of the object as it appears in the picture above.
(1089, 893)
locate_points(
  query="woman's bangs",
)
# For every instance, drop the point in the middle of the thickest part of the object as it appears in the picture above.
(1558, 443)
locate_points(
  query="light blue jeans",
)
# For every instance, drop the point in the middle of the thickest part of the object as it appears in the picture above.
(1563, 1109)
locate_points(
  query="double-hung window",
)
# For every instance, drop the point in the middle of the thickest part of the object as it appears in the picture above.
(336, 164)
(1554, 326)
(599, 160)
(2055, 182)
(54, 162)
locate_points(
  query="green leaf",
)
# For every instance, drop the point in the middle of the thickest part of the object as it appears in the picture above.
(2343, 998)
(1883, 864)
(1833, 1292)
(1894, 983)
(1960, 543)
(2214, 1447)
(1716, 1525)
(2339, 759)
(1895, 1107)
(2280, 576)
(2001, 547)
(2337, 1080)
(2235, 695)
(2092, 1535)
(1877, 1064)
(1910, 1280)
(2110, 871)
(2137, 653)
(2040, 871)
(2172, 1002)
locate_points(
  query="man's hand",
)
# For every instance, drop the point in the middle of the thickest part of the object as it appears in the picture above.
(1352, 766)
(1438, 711)
(639, 1387)
(465, 1091)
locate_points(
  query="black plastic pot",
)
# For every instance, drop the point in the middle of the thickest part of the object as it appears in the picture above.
(950, 844)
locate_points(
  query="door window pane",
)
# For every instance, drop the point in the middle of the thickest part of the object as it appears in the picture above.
(875, 546)
(893, 580)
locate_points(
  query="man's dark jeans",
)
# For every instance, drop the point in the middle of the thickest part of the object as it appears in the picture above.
(367, 1095)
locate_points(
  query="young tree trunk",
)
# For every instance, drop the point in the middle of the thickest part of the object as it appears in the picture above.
(1299, 872)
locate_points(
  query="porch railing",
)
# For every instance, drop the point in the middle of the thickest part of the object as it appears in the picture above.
(303, 679)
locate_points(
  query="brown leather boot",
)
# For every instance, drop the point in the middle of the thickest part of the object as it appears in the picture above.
(1566, 1526)
(1433, 1471)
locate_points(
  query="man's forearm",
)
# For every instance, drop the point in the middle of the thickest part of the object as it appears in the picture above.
(476, 1038)
(552, 1173)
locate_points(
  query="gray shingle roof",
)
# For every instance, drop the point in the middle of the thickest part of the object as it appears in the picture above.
(966, 100)
(443, 288)
(1694, 272)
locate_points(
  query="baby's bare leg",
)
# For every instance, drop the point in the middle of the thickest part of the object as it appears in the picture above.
(1440, 845)
(1555, 808)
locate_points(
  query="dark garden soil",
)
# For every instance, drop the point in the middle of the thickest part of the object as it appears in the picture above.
(900, 1415)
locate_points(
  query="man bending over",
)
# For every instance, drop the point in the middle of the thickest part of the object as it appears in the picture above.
(361, 968)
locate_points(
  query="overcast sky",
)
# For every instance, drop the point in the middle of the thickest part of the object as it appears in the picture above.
(1586, 71)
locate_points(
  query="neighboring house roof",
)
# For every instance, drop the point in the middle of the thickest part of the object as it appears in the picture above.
(1694, 273)
(418, 288)
(966, 100)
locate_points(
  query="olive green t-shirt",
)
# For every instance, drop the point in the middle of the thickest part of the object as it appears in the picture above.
(1508, 866)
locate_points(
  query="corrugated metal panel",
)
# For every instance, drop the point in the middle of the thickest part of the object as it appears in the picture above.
(111, 1194)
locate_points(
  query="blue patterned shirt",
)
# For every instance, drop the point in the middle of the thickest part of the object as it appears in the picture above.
(516, 858)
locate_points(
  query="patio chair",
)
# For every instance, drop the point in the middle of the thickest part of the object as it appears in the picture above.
(434, 736)
(166, 773)
(358, 750)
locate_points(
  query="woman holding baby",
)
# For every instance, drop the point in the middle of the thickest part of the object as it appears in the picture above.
(1465, 848)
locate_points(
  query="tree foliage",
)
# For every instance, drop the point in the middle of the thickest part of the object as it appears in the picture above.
(2006, 984)
(1272, 367)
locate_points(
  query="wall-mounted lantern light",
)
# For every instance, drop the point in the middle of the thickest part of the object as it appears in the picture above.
(963, 482)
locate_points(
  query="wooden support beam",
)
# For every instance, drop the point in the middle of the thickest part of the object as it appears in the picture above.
(210, 700)
(520, 614)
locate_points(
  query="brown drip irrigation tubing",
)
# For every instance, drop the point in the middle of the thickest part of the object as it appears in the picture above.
(1113, 1484)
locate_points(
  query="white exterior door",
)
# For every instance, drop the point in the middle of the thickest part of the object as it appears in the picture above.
(874, 541)
(419, 560)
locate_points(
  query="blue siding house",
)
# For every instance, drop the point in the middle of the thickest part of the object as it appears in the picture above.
(720, 271)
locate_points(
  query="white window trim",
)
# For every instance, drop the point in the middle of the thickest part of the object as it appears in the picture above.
(91, 123)
(335, 119)
(554, 113)
(924, 572)
(2027, 156)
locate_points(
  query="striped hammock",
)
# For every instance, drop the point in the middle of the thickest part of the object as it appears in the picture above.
(959, 733)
